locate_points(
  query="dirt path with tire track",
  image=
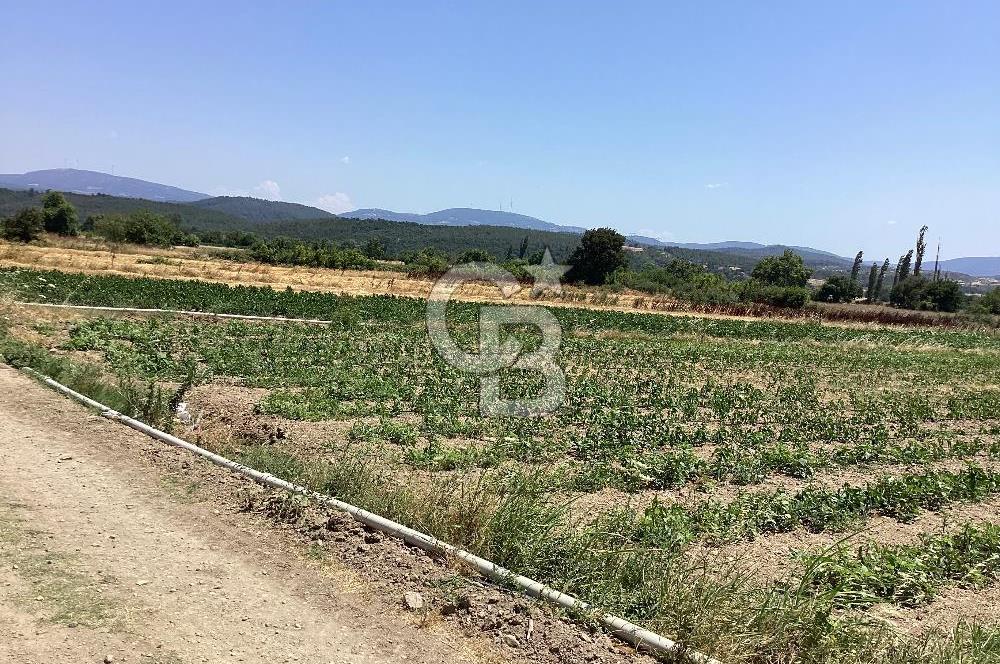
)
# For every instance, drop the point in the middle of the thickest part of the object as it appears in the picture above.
(100, 558)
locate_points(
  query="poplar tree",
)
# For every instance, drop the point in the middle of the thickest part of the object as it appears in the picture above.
(872, 281)
(881, 279)
(904, 266)
(921, 248)
(856, 268)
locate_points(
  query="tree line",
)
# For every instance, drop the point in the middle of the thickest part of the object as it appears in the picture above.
(911, 287)
(599, 259)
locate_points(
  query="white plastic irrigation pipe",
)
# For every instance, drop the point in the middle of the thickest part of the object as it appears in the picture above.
(206, 314)
(618, 626)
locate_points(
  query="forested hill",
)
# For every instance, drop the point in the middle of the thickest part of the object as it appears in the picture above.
(190, 216)
(258, 209)
(465, 217)
(396, 237)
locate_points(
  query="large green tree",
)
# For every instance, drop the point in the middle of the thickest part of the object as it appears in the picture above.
(600, 253)
(786, 270)
(26, 225)
(59, 214)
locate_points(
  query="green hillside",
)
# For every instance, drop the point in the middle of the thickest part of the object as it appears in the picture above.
(223, 215)
(190, 216)
(258, 209)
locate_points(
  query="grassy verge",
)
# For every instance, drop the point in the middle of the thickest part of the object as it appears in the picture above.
(148, 402)
(910, 574)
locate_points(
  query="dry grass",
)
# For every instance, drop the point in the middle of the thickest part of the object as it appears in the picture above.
(91, 256)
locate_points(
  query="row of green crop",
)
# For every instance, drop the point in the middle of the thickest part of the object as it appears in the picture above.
(634, 427)
(813, 508)
(908, 574)
(104, 290)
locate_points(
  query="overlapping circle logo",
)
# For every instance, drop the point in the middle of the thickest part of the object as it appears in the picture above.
(496, 353)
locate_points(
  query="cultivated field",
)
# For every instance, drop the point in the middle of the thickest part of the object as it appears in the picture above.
(761, 490)
(228, 266)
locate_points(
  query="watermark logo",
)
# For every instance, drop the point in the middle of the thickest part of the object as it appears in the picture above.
(495, 352)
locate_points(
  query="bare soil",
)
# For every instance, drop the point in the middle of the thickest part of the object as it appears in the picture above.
(112, 545)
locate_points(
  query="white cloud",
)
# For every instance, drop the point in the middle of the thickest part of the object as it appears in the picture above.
(891, 222)
(345, 159)
(716, 185)
(662, 236)
(268, 189)
(335, 203)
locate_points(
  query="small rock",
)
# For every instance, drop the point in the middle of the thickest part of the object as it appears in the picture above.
(510, 640)
(414, 601)
(464, 602)
(373, 538)
(108, 659)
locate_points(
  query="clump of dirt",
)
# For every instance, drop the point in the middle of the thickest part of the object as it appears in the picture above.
(448, 592)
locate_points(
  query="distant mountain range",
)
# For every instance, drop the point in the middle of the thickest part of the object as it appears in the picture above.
(464, 217)
(94, 182)
(751, 250)
(985, 266)
(262, 211)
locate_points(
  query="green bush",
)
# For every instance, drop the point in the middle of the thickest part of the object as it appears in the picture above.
(778, 281)
(141, 227)
(786, 270)
(427, 261)
(681, 279)
(284, 251)
(987, 304)
(837, 288)
(916, 292)
(59, 215)
(792, 297)
(25, 226)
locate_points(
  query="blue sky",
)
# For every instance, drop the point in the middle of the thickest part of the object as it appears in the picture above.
(841, 125)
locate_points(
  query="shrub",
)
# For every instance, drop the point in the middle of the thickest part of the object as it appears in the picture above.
(141, 227)
(792, 297)
(837, 288)
(427, 261)
(920, 293)
(681, 279)
(25, 226)
(284, 251)
(59, 214)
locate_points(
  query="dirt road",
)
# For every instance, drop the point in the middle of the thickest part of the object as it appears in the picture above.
(102, 556)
